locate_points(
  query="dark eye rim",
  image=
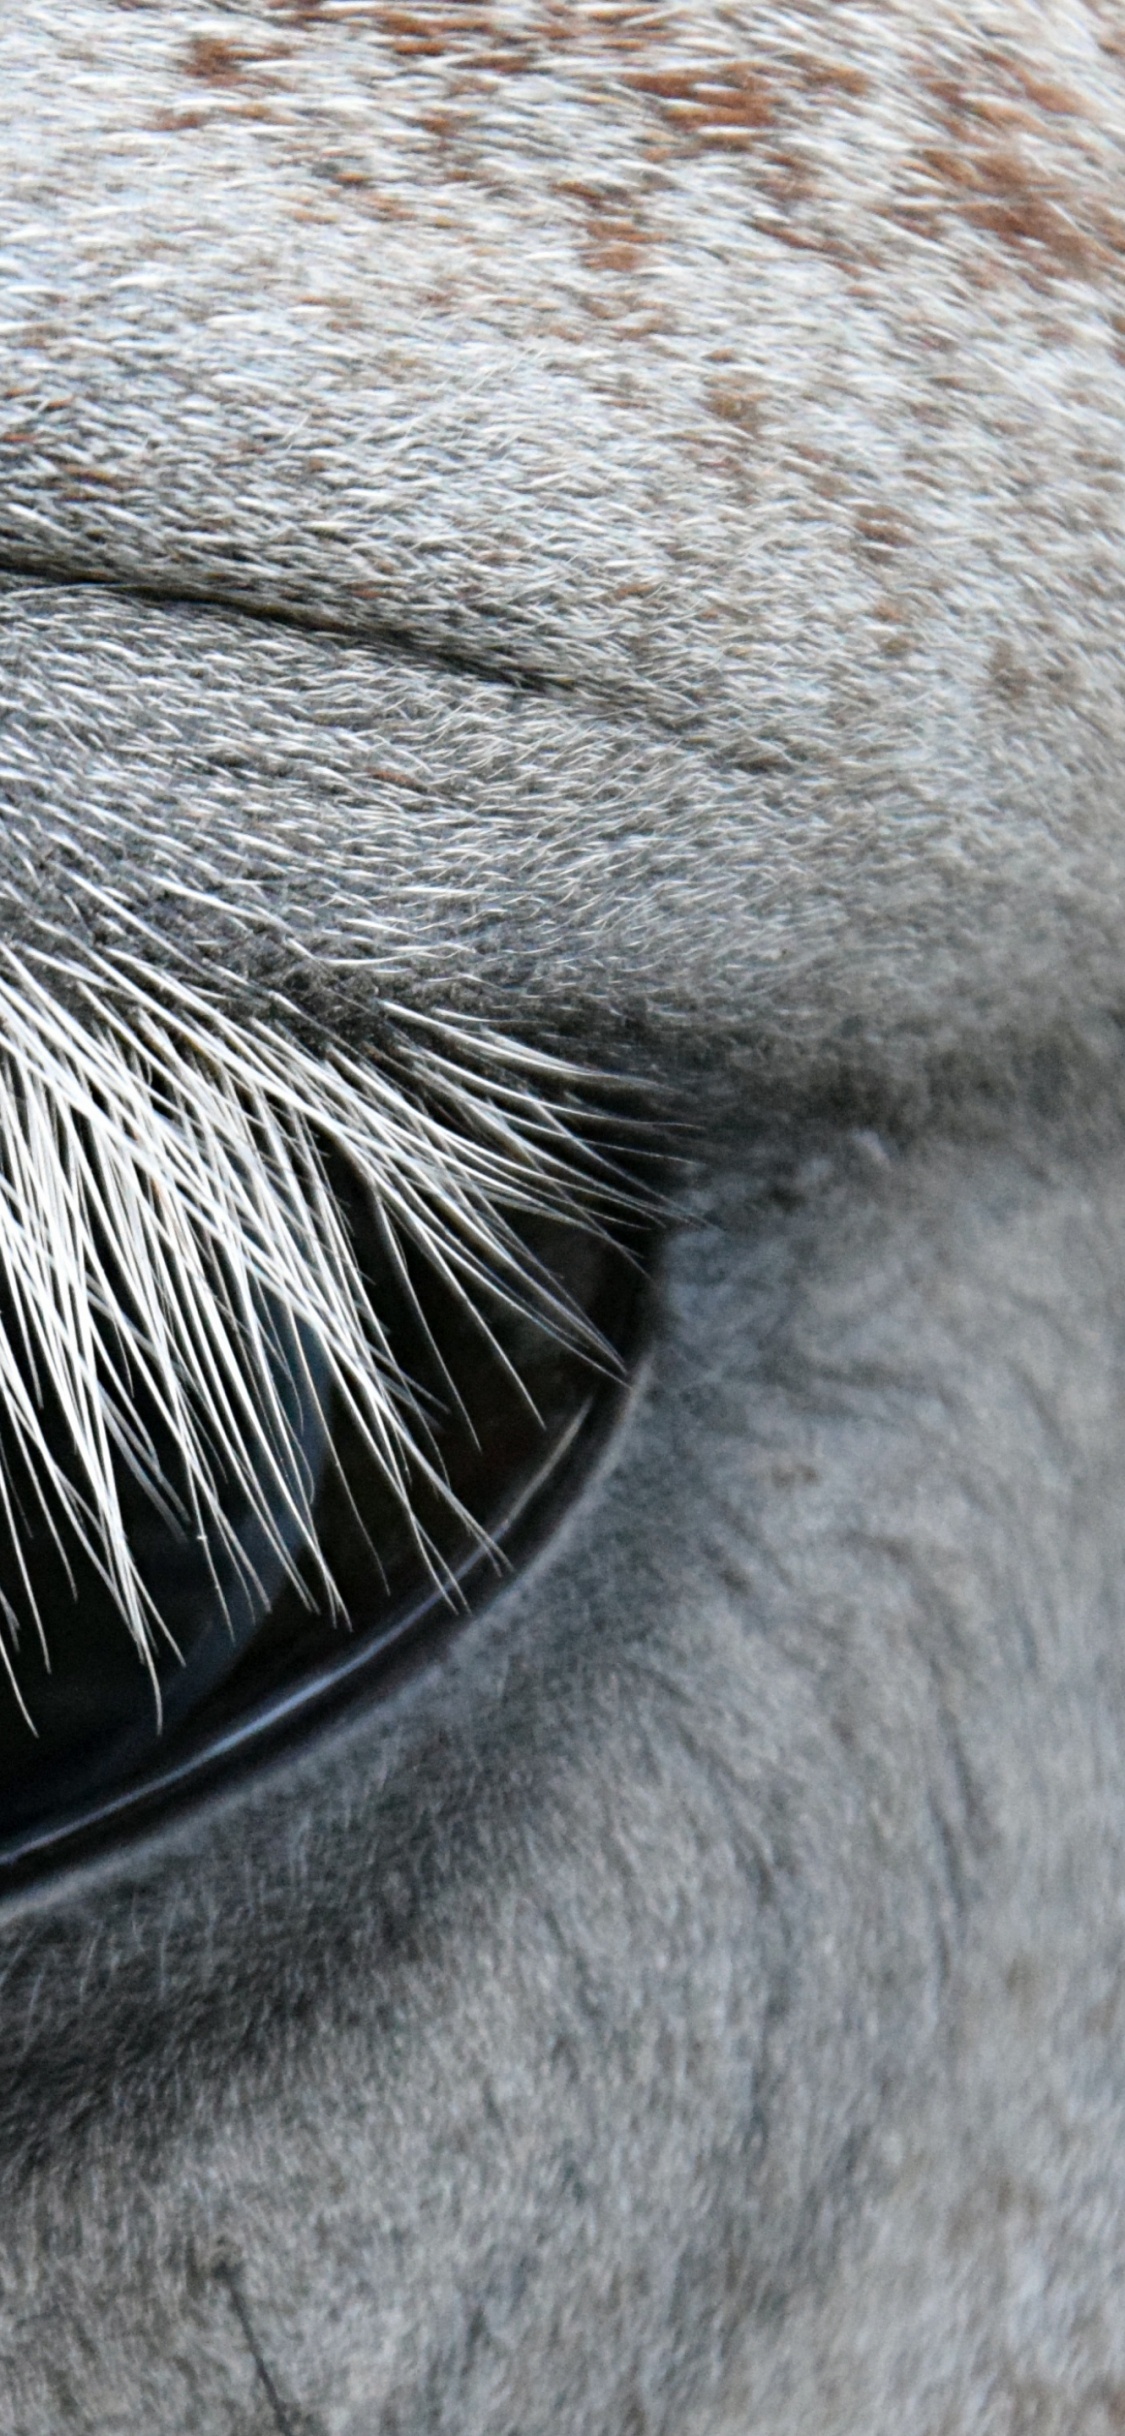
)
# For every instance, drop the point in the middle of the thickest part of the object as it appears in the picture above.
(416, 1640)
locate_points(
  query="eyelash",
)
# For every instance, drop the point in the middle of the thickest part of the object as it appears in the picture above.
(172, 1240)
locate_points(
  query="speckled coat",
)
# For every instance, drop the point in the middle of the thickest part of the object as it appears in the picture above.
(610, 517)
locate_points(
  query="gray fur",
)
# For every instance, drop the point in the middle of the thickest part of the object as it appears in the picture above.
(783, 417)
(610, 520)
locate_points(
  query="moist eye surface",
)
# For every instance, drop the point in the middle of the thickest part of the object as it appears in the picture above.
(343, 1526)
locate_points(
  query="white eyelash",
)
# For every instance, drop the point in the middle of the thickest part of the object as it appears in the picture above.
(135, 1115)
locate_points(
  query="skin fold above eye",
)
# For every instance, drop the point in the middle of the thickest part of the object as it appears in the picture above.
(601, 526)
(743, 394)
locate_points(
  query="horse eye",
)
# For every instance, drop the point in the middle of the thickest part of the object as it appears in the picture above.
(318, 1573)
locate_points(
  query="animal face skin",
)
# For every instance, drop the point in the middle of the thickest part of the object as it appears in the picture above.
(608, 519)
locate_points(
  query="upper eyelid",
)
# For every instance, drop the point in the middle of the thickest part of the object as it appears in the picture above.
(307, 814)
(210, 857)
(165, 1206)
(473, 428)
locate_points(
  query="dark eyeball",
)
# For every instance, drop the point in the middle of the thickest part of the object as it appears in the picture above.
(251, 1644)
